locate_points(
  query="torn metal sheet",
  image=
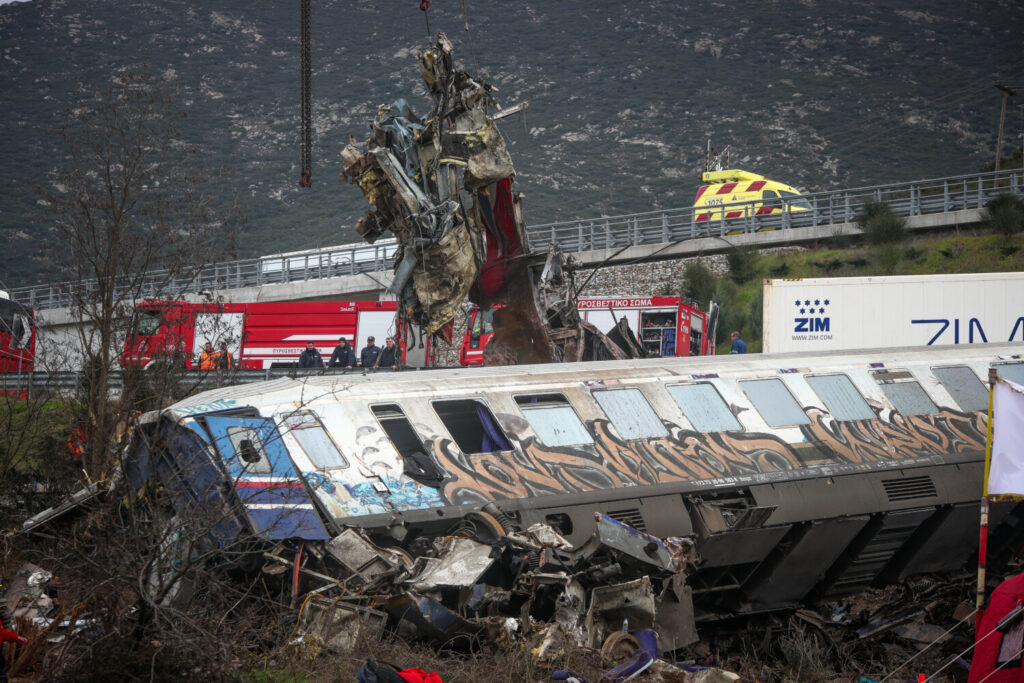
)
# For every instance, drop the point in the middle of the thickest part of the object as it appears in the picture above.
(428, 618)
(635, 543)
(341, 625)
(623, 606)
(361, 557)
(460, 564)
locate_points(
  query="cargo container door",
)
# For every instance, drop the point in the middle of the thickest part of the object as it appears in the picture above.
(264, 478)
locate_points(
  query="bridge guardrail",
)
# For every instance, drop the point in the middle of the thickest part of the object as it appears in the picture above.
(914, 198)
(31, 383)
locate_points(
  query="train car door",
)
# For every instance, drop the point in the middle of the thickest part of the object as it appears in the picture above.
(265, 479)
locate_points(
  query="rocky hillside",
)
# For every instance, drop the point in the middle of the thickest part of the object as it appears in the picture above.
(623, 96)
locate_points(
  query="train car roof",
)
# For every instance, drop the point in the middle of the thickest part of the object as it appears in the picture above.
(383, 386)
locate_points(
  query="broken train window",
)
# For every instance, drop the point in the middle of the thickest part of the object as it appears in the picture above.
(704, 407)
(631, 414)
(472, 426)
(840, 397)
(554, 420)
(905, 394)
(964, 386)
(772, 399)
(417, 465)
(247, 446)
(314, 440)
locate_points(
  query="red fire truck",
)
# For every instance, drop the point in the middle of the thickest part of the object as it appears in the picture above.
(664, 325)
(17, 336)
(265, 335)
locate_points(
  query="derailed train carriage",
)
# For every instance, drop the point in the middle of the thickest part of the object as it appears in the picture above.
(776, 479)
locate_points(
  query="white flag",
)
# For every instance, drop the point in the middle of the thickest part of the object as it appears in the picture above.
(1006, 466)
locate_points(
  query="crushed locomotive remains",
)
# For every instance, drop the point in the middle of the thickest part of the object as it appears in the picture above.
(443, 186)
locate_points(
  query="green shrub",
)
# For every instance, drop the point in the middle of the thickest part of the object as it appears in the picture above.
(880, 223)
(698, 283)
(730, 316)
(888, 258)
(742, 263)
(1005, 215)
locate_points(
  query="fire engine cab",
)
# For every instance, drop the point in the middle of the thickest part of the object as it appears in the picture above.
(266, 335)
(664, 325)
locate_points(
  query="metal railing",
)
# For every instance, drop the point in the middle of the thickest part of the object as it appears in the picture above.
(33, 384)
(915, 198)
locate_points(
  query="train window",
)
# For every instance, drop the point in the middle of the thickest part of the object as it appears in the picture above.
(964, 386)
(631, 414)
(247, 446)
(472, 426)
(704, 407)
(1011, 371)
(772, 399)
(905, 394)
(554, 420)
(841, 398)
(417, 464)
(315, 441)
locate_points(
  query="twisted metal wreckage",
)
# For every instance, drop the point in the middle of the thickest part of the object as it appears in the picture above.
(444, 186)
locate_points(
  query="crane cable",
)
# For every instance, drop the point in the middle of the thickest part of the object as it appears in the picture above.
(306, 179)
(424, 6)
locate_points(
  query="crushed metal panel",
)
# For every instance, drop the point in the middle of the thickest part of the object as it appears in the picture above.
(460, 564)
(627, 605)
(341, 625)
(633, 542)
(674, 619)
(360, 557)
(428, 618)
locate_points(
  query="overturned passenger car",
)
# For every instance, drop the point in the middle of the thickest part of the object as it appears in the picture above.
(662, 493)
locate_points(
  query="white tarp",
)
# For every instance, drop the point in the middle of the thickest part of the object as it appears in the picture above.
(1006, 468)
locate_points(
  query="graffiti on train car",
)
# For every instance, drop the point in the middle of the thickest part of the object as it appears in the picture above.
(686, 455)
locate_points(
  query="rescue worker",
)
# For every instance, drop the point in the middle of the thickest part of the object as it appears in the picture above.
(738, 345)
(207, 359)
(388, 354)
(368, 356)
(344, 356)
(5, 637)
(310, 358)
(224, 360)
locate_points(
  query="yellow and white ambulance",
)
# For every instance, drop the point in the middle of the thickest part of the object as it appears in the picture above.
(723, 193)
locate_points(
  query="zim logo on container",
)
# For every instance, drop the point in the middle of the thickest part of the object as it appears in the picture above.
(812, 315)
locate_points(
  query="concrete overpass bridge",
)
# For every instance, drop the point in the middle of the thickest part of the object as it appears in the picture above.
(363, 271)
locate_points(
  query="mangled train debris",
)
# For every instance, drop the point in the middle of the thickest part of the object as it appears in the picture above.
(561, 504)
(443, 185)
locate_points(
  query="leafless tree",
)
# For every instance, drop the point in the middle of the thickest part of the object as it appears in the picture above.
(134, 217)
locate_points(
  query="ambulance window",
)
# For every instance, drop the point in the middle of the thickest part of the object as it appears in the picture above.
(964, 386)
(772, 399)
(631, 414)
(247, 446)
(769, 194)
(147, 323)
(840, 397)
(316, 443)
(554, 420)
(797, 200)
(1011, 371)
(905, 394)
(704, 407)
(472, 426)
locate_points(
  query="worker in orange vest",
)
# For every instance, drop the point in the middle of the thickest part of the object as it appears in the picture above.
(207, 359)
(224, 360)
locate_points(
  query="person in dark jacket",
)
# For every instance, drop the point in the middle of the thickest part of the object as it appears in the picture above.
(310, 358)
(388, 355)
(368, 356)
(344, 356)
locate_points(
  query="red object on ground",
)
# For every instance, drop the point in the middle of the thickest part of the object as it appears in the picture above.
(1000, 649)
(419, 676)
(11, 637)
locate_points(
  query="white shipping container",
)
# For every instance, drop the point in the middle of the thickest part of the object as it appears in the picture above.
(828, 314)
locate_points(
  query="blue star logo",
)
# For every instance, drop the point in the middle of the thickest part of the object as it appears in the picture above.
(821, 310)
(802, 310)
(826, 302)
(817, 302)
(796, 303)
(807, 302)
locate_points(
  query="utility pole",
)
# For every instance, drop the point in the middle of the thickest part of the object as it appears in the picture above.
(1002, 116)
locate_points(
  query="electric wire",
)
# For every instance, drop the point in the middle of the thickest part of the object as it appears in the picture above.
(925, 649)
